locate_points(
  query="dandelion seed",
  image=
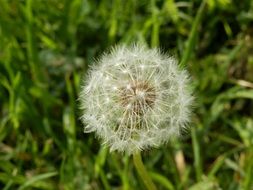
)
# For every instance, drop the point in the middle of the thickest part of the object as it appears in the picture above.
(135, 98)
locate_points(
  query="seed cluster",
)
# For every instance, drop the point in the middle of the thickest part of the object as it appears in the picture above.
(135, 98)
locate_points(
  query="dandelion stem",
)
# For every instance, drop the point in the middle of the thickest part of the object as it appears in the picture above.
(143, 172)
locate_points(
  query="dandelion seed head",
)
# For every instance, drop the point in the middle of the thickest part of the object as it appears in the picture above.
(135, 98)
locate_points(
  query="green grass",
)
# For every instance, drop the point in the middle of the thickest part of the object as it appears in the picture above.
(46, 48)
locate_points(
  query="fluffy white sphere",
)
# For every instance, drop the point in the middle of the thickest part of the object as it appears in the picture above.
(135, 98)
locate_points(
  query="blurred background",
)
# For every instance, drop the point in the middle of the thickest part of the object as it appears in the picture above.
(46, 48)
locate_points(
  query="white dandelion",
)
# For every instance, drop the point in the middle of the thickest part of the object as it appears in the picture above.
(135, 98)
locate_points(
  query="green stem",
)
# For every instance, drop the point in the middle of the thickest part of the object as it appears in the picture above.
(143, 172)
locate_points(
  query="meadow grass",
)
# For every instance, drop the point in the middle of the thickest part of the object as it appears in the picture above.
(46, 48)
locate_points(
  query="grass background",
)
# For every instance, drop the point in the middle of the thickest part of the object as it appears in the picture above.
(46, 48)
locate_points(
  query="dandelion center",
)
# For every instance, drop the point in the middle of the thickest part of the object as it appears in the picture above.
(137, 97)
